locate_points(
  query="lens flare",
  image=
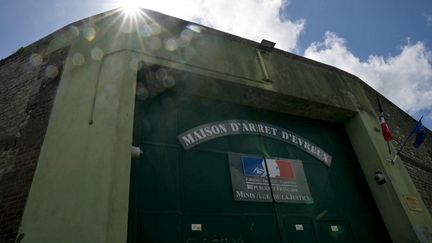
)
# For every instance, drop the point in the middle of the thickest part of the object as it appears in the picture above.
(129, 7)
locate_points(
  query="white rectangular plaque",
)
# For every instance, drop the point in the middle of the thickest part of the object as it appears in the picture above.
(196, 227)
(299, 227)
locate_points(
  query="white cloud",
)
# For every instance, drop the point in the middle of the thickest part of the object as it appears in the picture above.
(429, 19)
(405, 79)
(251, 19)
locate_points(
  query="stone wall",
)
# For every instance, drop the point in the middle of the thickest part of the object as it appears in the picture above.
(28, 85)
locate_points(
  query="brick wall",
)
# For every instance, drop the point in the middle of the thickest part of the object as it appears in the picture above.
(28, 85)
(417, 161)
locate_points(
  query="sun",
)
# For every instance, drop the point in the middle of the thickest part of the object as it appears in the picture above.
(129, 7)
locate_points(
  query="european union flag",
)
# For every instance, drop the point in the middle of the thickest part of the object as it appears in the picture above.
(420, 135)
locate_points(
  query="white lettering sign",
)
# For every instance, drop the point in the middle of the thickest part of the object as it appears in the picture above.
(209, 131)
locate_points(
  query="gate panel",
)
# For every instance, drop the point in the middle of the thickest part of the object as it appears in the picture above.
(182, 195)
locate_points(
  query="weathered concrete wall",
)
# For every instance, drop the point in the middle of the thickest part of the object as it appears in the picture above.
(28, 84)
(80, 192)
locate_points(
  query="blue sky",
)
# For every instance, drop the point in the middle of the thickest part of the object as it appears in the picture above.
(370, 26)
(387, 43)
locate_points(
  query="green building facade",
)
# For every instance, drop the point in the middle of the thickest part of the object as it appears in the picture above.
(202, 106)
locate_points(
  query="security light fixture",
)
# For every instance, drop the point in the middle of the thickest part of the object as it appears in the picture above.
(266, 46)
(136, 152)
(380, 178)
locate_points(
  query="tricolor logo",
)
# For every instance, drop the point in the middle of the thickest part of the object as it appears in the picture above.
(255, 167)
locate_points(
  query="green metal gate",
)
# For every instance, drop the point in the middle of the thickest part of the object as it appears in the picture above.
(182, 195)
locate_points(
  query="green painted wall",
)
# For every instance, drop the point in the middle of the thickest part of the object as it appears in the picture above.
(80, 190)
(81, 185)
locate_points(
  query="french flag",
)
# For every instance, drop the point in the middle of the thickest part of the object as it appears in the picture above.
(384, 127)
(255, 167)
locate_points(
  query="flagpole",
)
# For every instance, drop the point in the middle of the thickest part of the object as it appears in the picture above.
(388, 146)
(400, 149)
